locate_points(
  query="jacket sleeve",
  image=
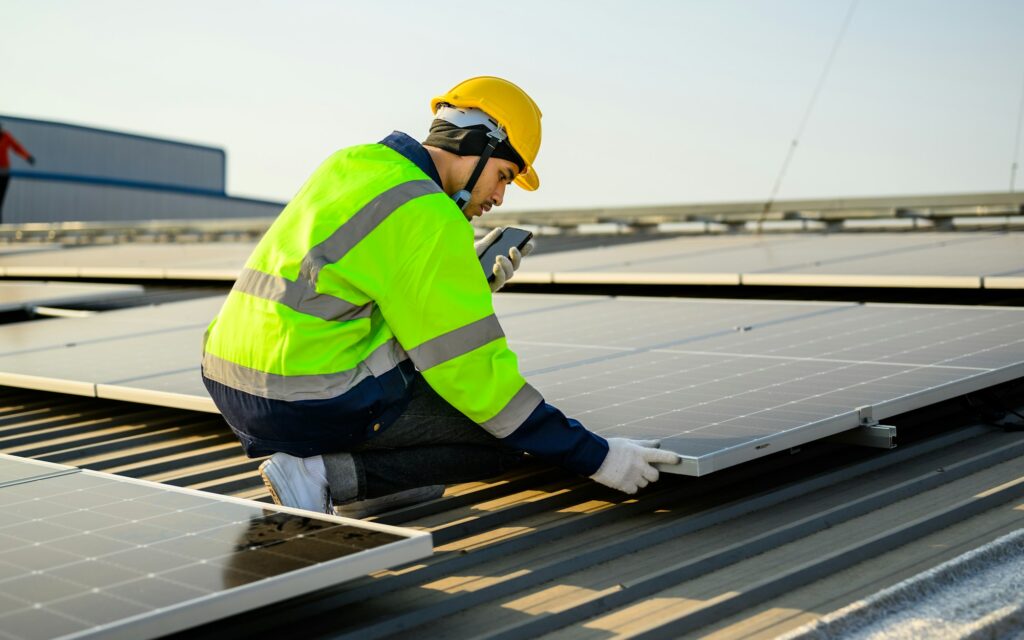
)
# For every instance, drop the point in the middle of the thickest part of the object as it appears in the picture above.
(438, 304)
(17, 148)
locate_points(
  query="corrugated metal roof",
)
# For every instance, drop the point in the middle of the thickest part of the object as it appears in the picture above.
(181, 448)
(748, 553)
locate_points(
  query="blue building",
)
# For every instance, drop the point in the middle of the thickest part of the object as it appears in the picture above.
(87, 174)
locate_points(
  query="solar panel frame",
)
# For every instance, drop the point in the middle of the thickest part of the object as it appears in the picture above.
(47, 383)
(643, 278)
(1003, 282)
(860, 280)
(15, 470)
(150, 391)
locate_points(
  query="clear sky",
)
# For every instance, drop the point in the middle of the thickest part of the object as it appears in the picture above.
(645, 102)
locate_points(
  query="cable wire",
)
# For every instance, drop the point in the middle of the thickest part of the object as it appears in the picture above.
(807, 113)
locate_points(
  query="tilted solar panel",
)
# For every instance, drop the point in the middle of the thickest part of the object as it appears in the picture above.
(782, 375)
(86, 554)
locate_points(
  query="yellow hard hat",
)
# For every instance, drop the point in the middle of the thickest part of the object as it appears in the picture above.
(514, 110)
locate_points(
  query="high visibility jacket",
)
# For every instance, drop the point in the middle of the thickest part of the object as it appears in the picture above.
(369, 271)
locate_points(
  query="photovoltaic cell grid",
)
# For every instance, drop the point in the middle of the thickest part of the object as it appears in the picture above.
(92, 555)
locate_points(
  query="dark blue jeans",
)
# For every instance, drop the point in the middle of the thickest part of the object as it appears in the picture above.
(430, 443)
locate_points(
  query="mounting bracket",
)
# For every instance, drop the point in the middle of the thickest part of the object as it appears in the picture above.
(869, 433)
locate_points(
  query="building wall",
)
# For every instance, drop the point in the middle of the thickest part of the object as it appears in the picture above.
(41, 200)
(65, 150)
(83, 174)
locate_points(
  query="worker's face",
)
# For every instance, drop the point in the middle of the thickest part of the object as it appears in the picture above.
(490, 187)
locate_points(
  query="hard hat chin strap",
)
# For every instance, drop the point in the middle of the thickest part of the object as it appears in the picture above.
(495, 138)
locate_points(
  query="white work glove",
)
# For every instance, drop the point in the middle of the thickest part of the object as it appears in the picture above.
(629, 465)
(503, 268)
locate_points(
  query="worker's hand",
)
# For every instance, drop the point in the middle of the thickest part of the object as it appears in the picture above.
(503, 270)
(486, 241)
(629, 465)
(518, 255)
(504, 267)
(31, 160)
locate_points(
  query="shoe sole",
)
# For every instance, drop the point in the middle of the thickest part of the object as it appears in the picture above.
(267, 483)
(359, 510)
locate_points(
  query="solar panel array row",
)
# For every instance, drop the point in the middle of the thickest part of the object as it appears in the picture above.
(941, 260)
(721, 382)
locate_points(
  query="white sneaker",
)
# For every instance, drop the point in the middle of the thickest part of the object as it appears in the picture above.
(291, 485)
(373, 506)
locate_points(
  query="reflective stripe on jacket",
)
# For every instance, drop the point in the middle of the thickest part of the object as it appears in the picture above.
(371, 265)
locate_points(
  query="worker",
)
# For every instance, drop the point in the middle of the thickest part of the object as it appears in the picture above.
(7, 141)
(359, 347)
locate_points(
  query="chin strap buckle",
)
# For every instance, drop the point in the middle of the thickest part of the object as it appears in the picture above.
(499, 135)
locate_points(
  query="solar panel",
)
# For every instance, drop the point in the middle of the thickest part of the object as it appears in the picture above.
(721, 398)
(961, 262)
(15, 296)
(679, 255)
(962, 254)
(87, 554)
(721, 381)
